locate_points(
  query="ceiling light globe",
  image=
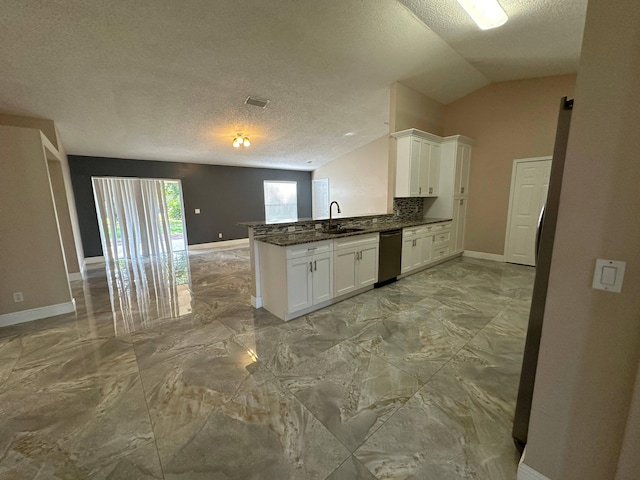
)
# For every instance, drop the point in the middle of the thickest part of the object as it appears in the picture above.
(246, 142)
(236, 144)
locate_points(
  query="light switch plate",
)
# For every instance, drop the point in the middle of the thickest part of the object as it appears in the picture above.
(608, 275)
(197, 211)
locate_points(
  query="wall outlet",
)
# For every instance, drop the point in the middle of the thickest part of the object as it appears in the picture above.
(318, 226)
(197, 210)
(291, 229)
(374, 221)
(18, 297)
(220, 235)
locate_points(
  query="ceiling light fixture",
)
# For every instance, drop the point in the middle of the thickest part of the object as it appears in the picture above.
(241, 140)
(487, 14)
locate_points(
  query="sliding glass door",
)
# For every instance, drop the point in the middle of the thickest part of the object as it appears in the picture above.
(139, 217)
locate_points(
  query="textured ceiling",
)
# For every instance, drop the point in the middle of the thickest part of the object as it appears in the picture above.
(166, 80)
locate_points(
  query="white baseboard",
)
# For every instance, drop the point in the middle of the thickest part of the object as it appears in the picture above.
(37, 313)
(89, 260)
(256, 302)
(75, 276)
(525, 472)
(483, 256)
(240, 242)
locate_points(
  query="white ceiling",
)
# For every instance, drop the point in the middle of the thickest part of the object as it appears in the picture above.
(167, 80)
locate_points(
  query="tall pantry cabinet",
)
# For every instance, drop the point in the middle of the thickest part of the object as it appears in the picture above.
(454, 188)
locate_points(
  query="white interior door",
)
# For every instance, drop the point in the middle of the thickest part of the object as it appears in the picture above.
(320, 198)
(529, 186)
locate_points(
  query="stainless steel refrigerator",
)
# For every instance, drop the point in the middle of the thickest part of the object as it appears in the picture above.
(544, 248)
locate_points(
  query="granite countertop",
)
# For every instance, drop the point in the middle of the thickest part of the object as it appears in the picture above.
(288, 239)
(262, 223)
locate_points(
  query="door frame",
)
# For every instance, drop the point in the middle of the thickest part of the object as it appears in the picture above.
(514, 168)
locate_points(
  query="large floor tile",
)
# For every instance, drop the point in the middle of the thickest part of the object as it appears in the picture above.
(351, 391)
(263, 433)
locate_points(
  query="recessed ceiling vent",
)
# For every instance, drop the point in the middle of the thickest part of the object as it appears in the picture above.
(256, 102)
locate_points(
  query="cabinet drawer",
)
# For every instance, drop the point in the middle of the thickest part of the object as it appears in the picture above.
(441, 238)
(440, 252)
(410, 232)
(297, 251)
(441, 226)
(355, 241)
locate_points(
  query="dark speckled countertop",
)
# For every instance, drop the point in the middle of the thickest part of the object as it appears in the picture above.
(286, 240)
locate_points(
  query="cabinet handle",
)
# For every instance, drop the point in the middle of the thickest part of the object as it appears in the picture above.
(462, 190)
(419, 189)
(431, 190)
(433, 239)
(461, 201)
(311, 267)
(315, 265)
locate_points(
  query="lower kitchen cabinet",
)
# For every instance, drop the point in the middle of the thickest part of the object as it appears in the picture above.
(355, 261)
(416, 248)
(309, 281)
(307, 272)
(459, 220)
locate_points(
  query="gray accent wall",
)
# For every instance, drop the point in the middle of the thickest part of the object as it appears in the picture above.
(225, 195)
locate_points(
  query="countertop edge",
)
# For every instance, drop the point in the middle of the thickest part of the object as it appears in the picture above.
(287, 240)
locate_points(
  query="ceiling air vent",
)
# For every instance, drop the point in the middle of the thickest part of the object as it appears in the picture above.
(256, 102)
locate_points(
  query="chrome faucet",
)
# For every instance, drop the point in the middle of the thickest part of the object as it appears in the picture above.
(330, 215)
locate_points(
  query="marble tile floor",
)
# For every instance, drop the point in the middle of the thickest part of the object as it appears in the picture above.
(165, 371)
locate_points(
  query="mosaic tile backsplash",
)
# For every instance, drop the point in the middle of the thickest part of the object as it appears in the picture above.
(403, 209)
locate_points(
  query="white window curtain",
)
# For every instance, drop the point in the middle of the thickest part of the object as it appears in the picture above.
(132, 215)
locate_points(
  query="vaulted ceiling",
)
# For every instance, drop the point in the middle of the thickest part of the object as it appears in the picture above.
(167, 80)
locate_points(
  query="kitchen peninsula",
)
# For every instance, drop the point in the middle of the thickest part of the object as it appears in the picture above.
(303, 266)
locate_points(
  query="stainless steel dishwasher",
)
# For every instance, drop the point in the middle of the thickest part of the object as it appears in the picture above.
(390, 257)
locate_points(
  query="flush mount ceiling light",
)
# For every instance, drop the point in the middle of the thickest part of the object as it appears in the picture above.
(486, 13)
(241, 140)
(257, 102)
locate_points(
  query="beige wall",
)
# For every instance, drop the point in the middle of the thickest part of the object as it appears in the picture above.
(73, 242)
(590, 346)
(62, 211)
(629, 461)
(45, 126)
(409, 109)
(31, 259)
(507, 120)
(358, 180)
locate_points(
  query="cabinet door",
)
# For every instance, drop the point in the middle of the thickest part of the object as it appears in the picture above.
(433, 182)
(414, 169)
(459, 219)
(463, 161)
(423, 172)
(407, 254)
(368, 265)
(322, 277)
(425, 243)
(345, 273)
(299, 283)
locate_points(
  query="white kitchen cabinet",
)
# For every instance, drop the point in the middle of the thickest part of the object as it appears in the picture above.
(417, 164)
(454, 187)
(355, 261)
(305, 270)
(309, 281)
(416, 248)
(459, 221)
(463, 163)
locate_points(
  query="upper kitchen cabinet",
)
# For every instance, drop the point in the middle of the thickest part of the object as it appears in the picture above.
(417, 164)
(463, 159)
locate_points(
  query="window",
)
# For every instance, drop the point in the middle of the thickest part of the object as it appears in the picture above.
(280, 201)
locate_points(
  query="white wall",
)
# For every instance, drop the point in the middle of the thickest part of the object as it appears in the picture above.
(358, 180)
